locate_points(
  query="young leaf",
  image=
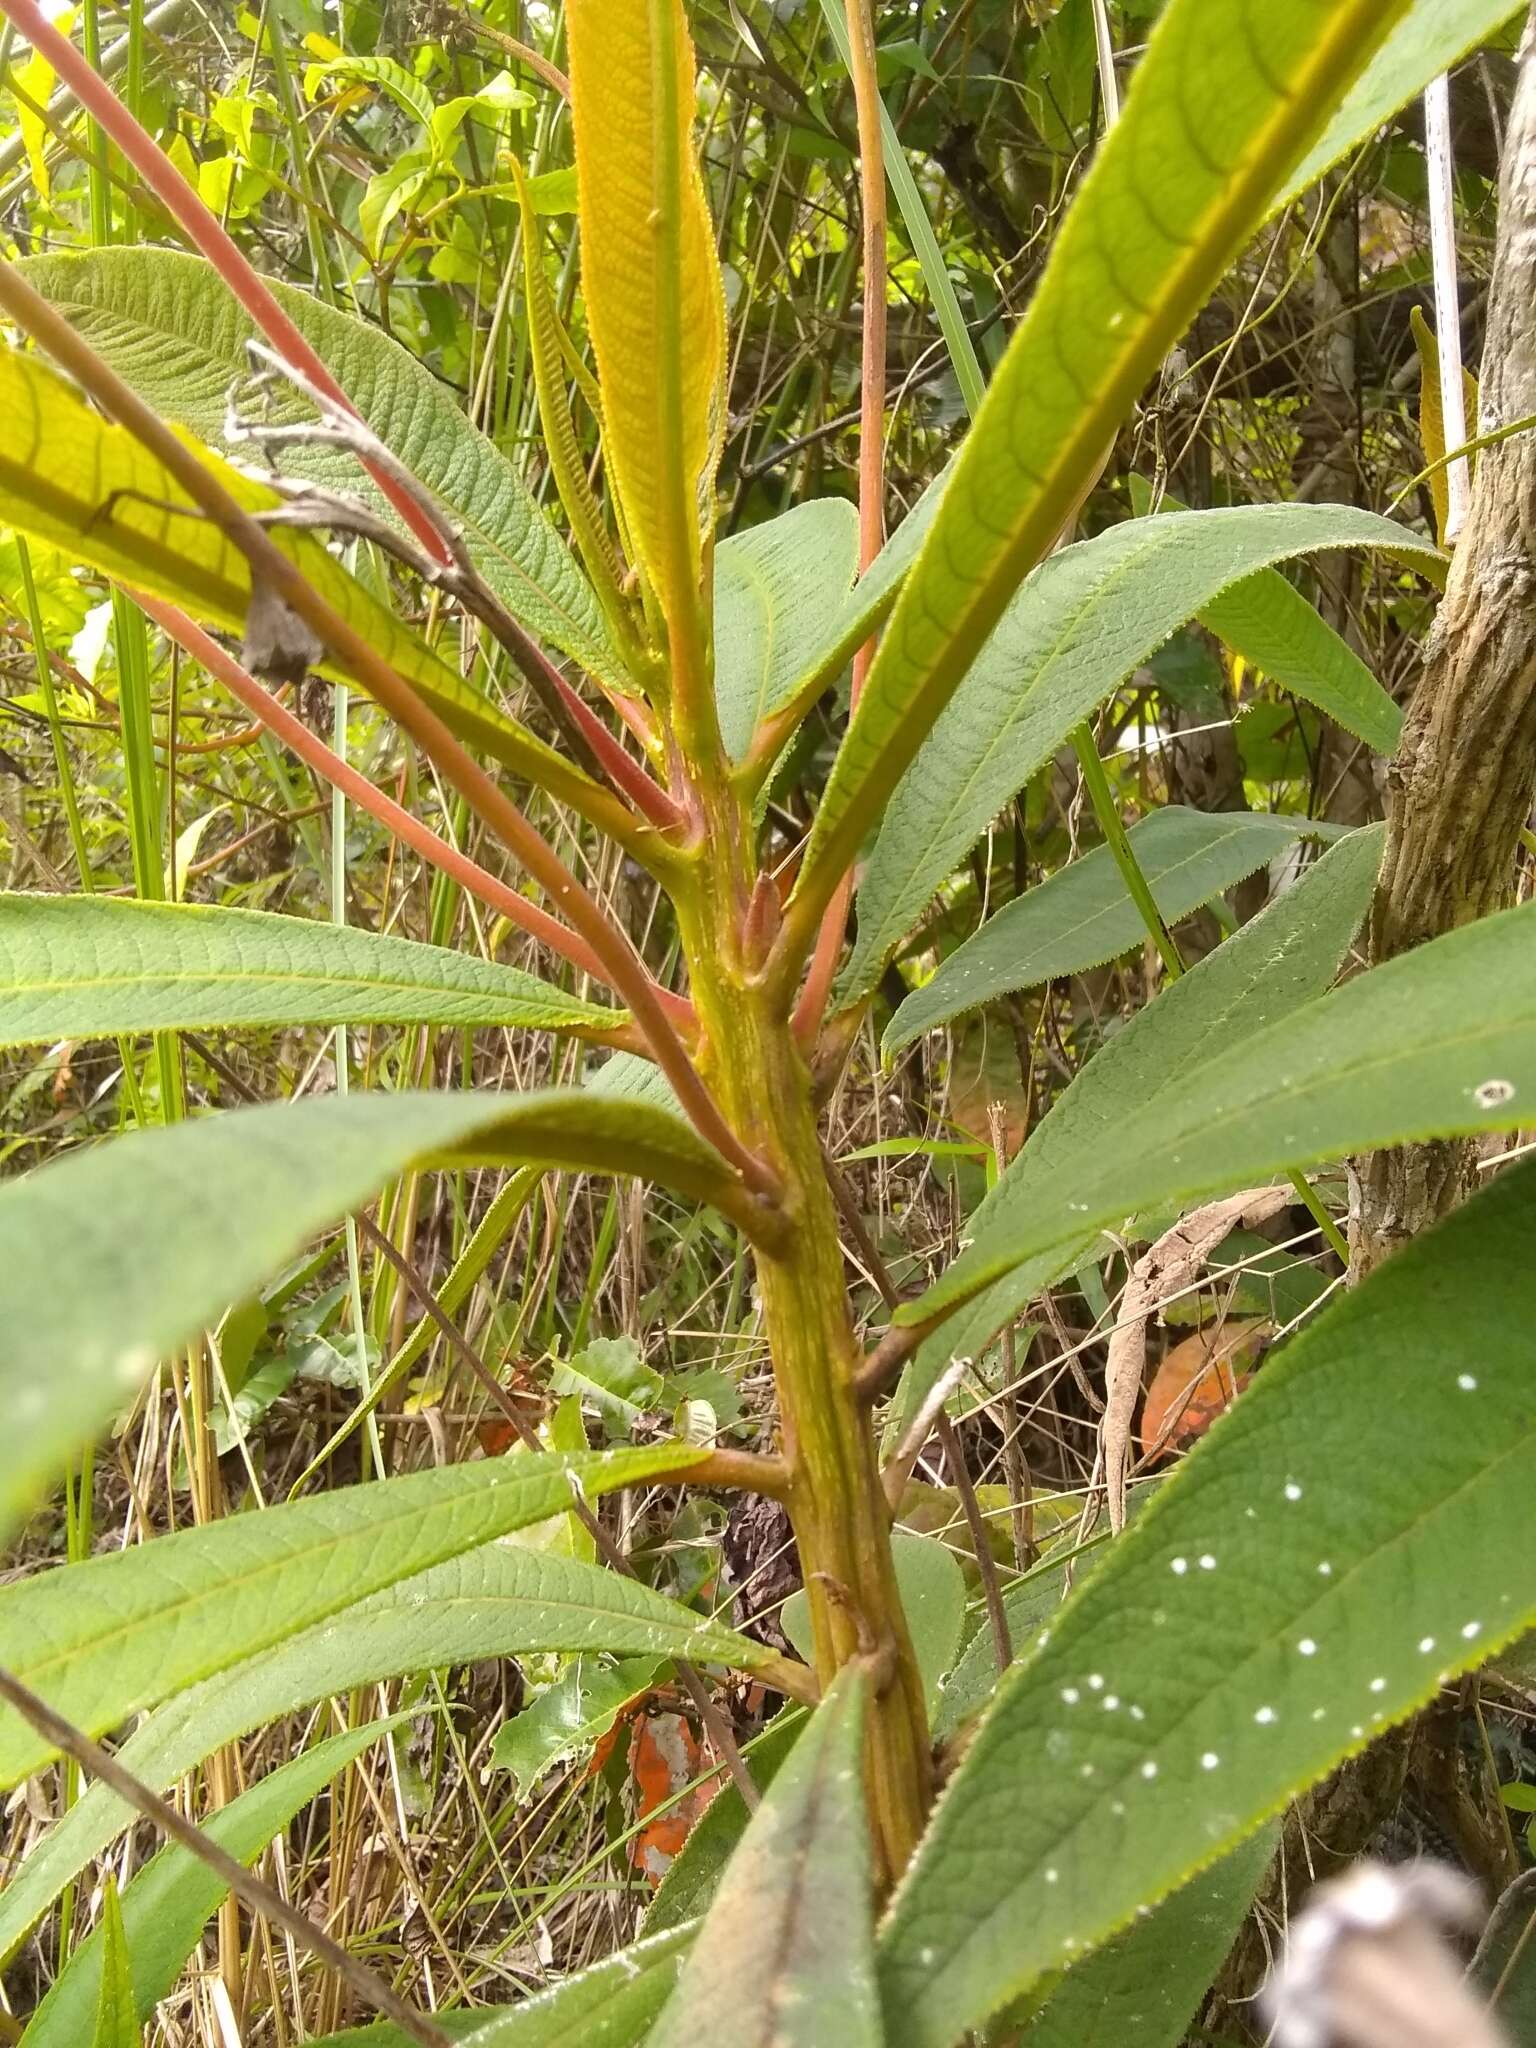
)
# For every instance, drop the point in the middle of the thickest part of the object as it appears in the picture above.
(781, 592)
(497, 1601)
(610, 2005)
(1285, 958)
(1351, 1534)
(171, 328)
(1083, 915)
(167, 1905)
(576, 1711)
(610, 1373)
(1433, 36)
(784, 1958)
(1136, 257)
(220, 1203)
(1143, 1989)
(654, 296)
(117, 2019)
(77, 481)
(1083, 623)
(92, 966)
(122, 1631)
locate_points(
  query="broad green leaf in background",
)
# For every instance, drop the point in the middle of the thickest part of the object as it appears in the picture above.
(1352, 1533)
(576, 1711)
(117, 2019)
(1080, 626)
(610, 2005)
(1144, 1988)
(495, 1601)
(1226, 99)
(1397, 1055)
(781, 593)
(173, 330)
(92, 966)
(167, 1905)
(1433, 36)
(1083, 914)
(655, 300)
(220, 1203)
(785, 1958)
(83, 484)
(932, 1583)
(125, 1630)
(1282, 960)
(610, 1374)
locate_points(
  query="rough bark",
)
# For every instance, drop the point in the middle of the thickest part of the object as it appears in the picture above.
(1461, 784)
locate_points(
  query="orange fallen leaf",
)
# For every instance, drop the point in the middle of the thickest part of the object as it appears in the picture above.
(1197, 1381)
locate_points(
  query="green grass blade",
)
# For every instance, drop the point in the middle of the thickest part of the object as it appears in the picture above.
(117, 2020)
(1354, 1532)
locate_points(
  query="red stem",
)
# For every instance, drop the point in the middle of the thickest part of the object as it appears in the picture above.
(206, 234)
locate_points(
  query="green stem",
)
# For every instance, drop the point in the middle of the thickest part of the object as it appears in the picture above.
(1112, 825)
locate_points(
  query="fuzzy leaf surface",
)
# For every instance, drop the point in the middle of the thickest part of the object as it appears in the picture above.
(1083, 914)
(122, 1631)
(1081, 625)
(171, 329)
(1227, 98)
(220, 1203)
(1281, 961)
(92, 966)
(785, 1957)
(1354, 1531)
(496, 1601)
(781, 592)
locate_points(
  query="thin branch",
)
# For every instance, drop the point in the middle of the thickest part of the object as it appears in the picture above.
(274, 574)
(257, 1894)
(981, 1541)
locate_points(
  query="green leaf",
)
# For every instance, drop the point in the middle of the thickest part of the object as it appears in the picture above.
(1352, 1533)
(1083, 915)
(932, 1584)
(122, 1631)
(92, 966)
(173, 331)
(781, 591)
(1084, 622)
(1433, 36)
(576, 1711)
(168, 1904)
(497, 1601)
(689, 1883)
(1282, 960)
(784, 1958)
(219, 1204)
(610, 2005)
(611, 1375)
(1228, 96)
(1392, 1057)
(117, 2020)
(1143, 1989)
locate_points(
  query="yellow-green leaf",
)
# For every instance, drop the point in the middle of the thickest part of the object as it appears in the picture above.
(655, 303)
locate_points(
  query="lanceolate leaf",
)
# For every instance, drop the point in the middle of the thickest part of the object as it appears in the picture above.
(496, 1601)
(1397, 1055)
(612, 2005)
(172, 329)
(1433, 36)
(1352, 1533)
(654, 296)
(123, 1631)
(1228, 96)
(784, 1958)
(92, 966)
(1281, 961)
(117, 2020)
(1083, 914)
(1083, 622)
(220, 1203)
(167, 1905)
(781, 592)
(1145, 1987)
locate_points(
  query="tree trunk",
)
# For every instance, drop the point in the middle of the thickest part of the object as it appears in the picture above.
(1461, 784)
